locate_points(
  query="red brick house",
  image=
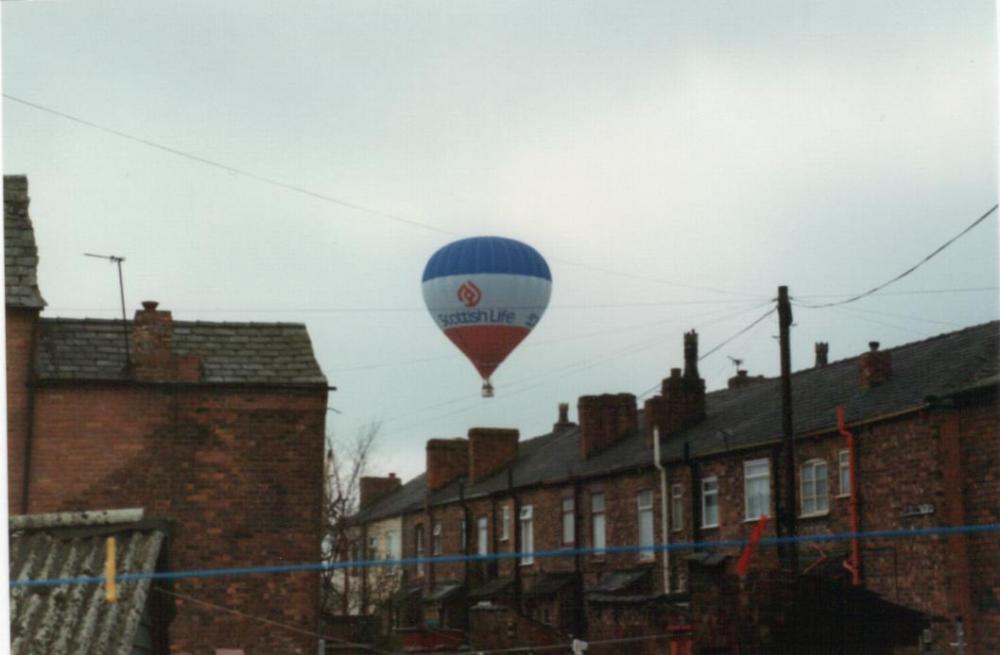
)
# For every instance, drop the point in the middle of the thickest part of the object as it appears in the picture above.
(215, 427)
(925, 422)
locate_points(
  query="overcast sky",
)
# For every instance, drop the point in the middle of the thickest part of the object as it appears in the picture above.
(674, 162)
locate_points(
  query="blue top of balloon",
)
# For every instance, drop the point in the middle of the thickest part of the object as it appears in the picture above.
(486, 255)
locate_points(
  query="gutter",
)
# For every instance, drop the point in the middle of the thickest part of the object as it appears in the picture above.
(664, 527)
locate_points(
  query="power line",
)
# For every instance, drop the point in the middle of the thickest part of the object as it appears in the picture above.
(232, 169)
(909, 270)
(313, 567)
(903, 293)
(326, 197)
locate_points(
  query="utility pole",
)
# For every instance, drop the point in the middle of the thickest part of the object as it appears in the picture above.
(790, 557)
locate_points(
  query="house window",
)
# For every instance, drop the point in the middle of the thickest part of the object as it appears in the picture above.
(462, 536)
(844, 471)
(436, 539)
(527, 536)
(710, 502)
(373, 547)
(646, 539)
(597, 523)
(815, 499)
(568, 521)
(676, 507)
(505, 523)
(418, 547)
(482, 536)
(391, 545)
(757, 488)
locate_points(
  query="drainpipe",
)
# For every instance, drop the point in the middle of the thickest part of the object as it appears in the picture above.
(853, 564)
(29, 433)
(664, 527)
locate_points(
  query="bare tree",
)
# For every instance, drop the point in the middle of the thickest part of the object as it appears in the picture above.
(346, 463)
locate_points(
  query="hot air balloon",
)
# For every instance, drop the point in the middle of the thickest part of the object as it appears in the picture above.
(486, 294)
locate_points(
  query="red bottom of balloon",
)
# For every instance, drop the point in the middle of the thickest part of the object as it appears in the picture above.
(487, 345)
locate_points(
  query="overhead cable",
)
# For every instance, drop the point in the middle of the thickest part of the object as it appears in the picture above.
(313, 567)
(909, 270)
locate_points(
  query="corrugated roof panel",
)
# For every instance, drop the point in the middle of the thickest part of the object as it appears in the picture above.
(76, 618)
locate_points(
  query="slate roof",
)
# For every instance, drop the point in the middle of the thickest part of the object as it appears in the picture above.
(76, 618)
(742, 418)
(20, 252)
(231, 353)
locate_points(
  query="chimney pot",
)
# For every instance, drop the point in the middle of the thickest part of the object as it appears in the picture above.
(873, 345)
(150, 305)
(822, 350)
(675, 373)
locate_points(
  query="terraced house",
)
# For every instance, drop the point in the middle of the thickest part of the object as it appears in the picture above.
(210, 434)
(924, 453)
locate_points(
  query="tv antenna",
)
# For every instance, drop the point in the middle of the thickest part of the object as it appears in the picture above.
(115, 259)
(736, 362)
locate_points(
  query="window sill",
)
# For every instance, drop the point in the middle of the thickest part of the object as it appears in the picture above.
(843, 496)
(756, 519)
(815, 515)
(709, 527)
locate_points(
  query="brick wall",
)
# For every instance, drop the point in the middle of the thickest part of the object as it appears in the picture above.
(20, 330)
(239, 473)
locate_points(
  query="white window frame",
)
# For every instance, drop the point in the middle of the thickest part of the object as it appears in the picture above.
(676, 507)
(568, 521)
(392, 550)
(419, 547)
(822, 501)
(747, 478)
(482, 536)
(505, 523)
(844, 474)
(707, 492)
(527, 535)
(647, 536)
(436, 539)
(598, 524)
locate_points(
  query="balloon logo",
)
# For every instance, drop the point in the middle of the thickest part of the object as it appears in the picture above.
(487, 294)
(469, 294)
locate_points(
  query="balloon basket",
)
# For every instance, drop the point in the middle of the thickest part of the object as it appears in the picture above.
(487, 390)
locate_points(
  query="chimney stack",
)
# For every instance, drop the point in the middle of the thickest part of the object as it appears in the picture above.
(822, 349)
(374, 489)
(447, 460)
(563, 422)
(874, 366)
(490, 451)
(743, 379)
(151, 349)
(691, 355)
(604, 420)
(681, 402)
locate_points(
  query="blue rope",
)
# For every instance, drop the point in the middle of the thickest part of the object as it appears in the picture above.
(543, 554)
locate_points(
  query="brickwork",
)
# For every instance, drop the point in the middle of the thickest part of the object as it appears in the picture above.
(239, 474)
(372, 488)
(604, 420)
(447, 460)
(20, 336)
(490, 450)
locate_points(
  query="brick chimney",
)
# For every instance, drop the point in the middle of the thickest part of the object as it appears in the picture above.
(563, 423)
(447, 460)
(681, 402)
(874, 366)
(491, 450)
(374, 489)
(604, 420)
(822, 350)
(151, 341)
(743, 379)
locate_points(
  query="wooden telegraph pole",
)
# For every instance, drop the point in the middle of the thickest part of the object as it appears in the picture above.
(789, 554)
